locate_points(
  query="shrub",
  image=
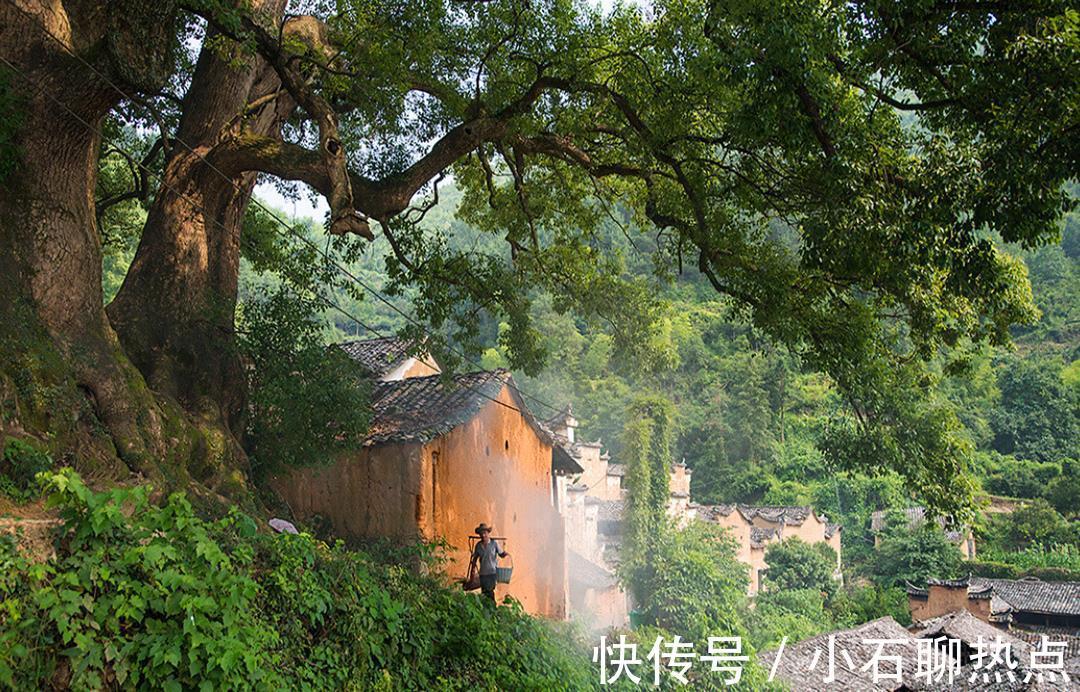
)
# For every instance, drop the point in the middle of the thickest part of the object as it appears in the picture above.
(914, 555)
(795, 564)
(306, 401)
(854, 606)
(1036, 523)
(21, 462)
(796, 614)
(145, 596)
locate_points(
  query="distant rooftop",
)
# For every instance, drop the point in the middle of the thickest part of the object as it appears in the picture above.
(378, 356)
(1015, 595)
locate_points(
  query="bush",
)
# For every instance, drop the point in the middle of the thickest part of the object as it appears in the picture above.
(854, 606)
(21, 462)
(697, 584)
(796, 614)
(1036, 523)
(154, 597)
(1018, 477)
(915, 555)
(990, 569)
(1064, 492)
(306, 401)
(795, 564)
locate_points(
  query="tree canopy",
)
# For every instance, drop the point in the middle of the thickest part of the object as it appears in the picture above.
(837, 170)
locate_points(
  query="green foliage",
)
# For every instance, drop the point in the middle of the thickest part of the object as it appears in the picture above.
(696, 585)
(797, 565)
(1064, 492)
(21, 462)
(647, 446)
(793, 613)
(915, 555)
(306, 401)
(1012, 477)
(1059, 563)
(154, 597)
(1039, 417)
(854, 606)
(1034, 523)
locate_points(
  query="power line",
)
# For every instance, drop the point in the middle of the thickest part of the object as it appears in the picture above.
(202, 209)
(274, 215)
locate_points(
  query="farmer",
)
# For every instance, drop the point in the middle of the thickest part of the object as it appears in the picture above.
(486, 553)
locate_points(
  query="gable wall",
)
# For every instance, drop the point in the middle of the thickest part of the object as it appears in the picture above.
(496, 469)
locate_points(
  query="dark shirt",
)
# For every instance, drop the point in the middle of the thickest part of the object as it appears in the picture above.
(488, 556)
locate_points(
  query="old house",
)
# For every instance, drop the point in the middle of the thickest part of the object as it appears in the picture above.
(960, 536)
(593, 507)
(755, 527)
(443, 454)
(1004, 603)
(593, 531)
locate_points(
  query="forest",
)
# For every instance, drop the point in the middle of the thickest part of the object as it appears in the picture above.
(822, 254)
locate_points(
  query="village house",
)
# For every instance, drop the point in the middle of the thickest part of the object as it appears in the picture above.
(592, 507)
(1005, 603)
(961, 537)
(442, 455)
(756, 527)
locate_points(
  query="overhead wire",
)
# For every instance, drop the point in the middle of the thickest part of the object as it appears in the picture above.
(195, 205)
(276, 217)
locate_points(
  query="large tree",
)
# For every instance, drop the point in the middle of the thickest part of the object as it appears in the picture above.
(838, 169)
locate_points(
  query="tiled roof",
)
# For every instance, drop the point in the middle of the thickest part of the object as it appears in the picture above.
(567, 451)
(1034, 635)
(970, 630)
(616, 470)
(1035, 596)
(612, 510)
(562, 417)
(916, 516)
(794, 667)
(759, 536)
(967, 628)
(1017, 595)
(779, 515)
(713, 512)
(916, 591)
(378, 356)
(831, 529)
(420, 409)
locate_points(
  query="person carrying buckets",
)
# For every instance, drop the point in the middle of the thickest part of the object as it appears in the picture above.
(487, 554)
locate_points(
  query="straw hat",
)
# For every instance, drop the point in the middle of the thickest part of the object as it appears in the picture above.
(483, 527)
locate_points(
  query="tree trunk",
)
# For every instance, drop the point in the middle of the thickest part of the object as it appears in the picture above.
(175, 310)
(62, 363)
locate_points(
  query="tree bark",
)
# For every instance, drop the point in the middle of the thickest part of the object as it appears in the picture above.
(50, 250)
(175, 310)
